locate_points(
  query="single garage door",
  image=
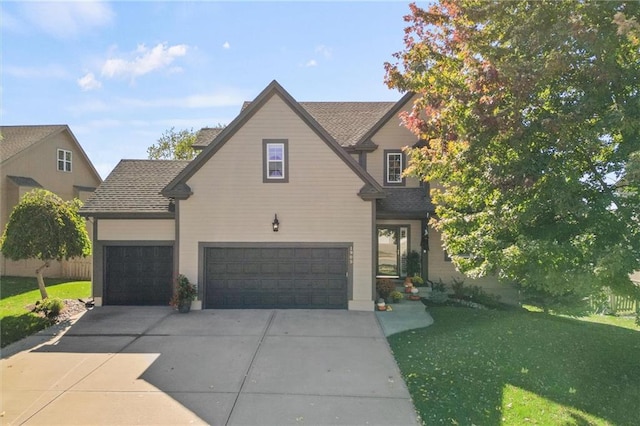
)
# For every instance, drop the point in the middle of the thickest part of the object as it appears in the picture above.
(138, 275)
(276, 277)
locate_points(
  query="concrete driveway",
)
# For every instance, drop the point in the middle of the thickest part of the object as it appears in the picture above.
(138, 365)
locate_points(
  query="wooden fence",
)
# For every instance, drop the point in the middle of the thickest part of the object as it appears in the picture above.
(616, 304)
(77, 268)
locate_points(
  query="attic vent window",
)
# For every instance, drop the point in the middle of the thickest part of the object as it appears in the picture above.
(274, 160)
(64, 160)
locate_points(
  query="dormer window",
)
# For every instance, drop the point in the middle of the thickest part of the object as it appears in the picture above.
(275, 160)
(393, 167)
(64, 160)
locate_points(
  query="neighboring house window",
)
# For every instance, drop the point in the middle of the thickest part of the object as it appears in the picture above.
(393, 166)
(64, 160)
(275, 161)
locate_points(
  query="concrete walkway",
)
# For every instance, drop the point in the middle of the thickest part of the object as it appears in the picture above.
(406, 315)
(137, 365)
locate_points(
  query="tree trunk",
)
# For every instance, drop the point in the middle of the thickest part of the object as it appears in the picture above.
(43, 290)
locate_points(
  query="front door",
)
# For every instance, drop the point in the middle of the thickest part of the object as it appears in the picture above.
(393, 247)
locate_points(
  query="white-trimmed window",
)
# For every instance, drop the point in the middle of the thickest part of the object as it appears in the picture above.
(393, 166)
(275, 161)
(64, 160)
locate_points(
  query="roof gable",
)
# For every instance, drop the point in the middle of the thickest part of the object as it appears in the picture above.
(365, 140)
(178, 188)
(18, 139)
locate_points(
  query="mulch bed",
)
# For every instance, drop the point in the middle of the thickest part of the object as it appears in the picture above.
(72, 307)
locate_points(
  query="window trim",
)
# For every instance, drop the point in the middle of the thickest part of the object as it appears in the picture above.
(387, 154)
(397, 229)
(63, 161)
(265, 161)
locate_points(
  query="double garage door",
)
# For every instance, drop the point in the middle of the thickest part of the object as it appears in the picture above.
(276, 277)
(138, 275)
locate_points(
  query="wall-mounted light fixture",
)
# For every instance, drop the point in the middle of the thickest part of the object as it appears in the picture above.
(276, 224)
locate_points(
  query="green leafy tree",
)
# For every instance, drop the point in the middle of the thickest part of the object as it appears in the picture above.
(174, 145)
(529, 113)
(43, 226)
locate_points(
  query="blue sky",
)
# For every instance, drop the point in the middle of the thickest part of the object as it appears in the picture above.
(121, 73)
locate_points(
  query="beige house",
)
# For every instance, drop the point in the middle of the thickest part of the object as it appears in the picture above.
(292, 205)
(48, 157)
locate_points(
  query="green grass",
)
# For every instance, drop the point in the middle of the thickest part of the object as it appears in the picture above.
(16, 293)
(514, 367)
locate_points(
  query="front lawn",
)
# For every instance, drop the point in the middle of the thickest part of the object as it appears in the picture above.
(488, 367)
(16, 293)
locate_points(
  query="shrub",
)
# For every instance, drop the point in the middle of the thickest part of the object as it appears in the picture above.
(458, 288)
(440, 286)
(50, 308)
(478, 295)
(439, 293)
(385, 287)
(414, 265)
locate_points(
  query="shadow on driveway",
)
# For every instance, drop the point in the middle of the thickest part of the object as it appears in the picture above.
(151, 365)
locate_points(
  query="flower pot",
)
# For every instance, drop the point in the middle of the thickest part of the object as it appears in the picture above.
(184, 306)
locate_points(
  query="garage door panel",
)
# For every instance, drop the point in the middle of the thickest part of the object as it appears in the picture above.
(285, 268)
(302, 268)
(319, 268)
(281, 277)
(138, 275)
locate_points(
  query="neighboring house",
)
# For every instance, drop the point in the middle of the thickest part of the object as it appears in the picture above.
(292, 205)
(48, 157)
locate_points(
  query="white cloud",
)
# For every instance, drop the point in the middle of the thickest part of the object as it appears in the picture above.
(324, 51)
(145, 61)
(89, 82)
(46, 71)
(226, 45)
(68, 19)
(311, 63)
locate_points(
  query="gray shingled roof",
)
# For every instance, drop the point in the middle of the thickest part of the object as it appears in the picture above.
(24, 181)
(18, 138)
(206, 135)
(406, 203)
(346, 122)
(133, 187)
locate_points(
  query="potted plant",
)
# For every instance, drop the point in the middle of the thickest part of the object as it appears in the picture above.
(414, 294)
(408, 284)
(385, 287)
(381, 305)
(417, 280)
(184, 293)
(396, 296)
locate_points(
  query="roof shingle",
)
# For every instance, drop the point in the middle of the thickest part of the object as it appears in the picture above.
(346, 122)
(133, 187)
(18, 138)
(25, 181)
(405, 203)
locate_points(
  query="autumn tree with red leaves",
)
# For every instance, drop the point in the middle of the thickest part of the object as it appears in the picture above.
(530, 114)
